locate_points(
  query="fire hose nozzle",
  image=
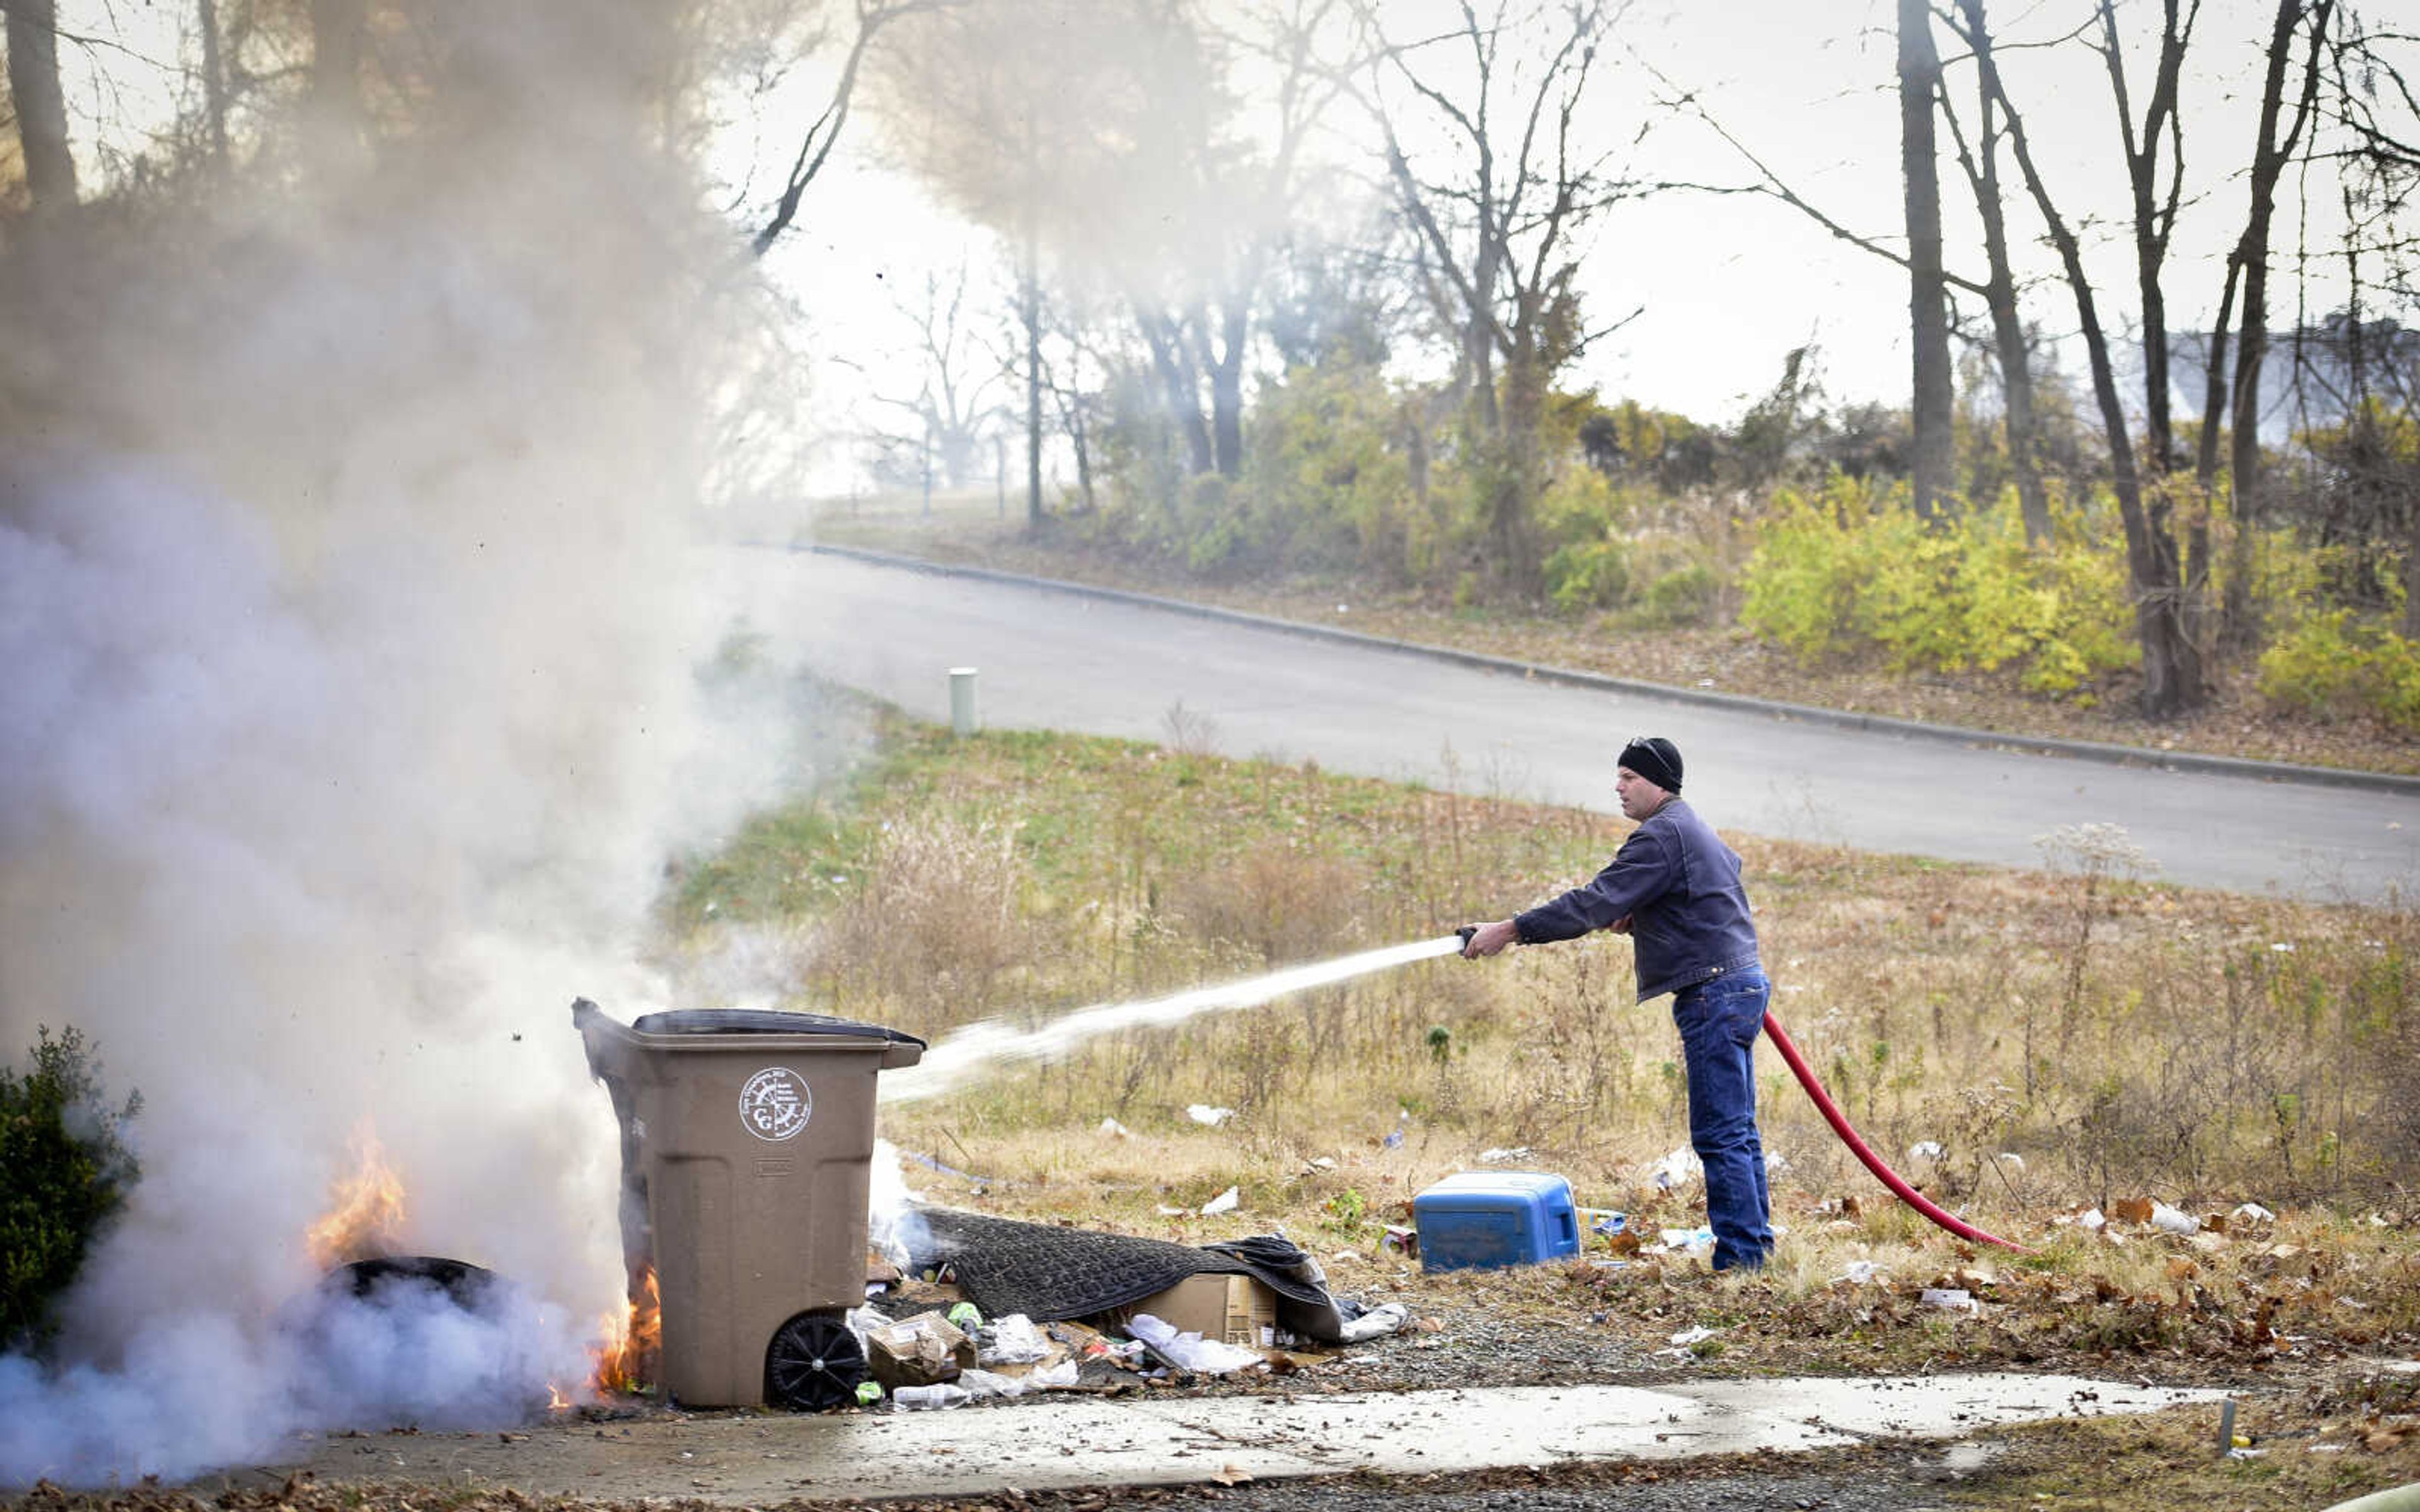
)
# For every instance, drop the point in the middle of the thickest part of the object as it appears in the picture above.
(1464, 934)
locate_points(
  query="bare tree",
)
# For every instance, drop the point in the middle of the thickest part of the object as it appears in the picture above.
(1205, 211)
(2247, 264)
(1101, 140)
(956, 379)
(1496, 215)
(33, 33)
(815, 143)
(1980, 161)
(1999, 292)
(2377, 110)
(2172, 670)
(1000, 109)
(2156, 191)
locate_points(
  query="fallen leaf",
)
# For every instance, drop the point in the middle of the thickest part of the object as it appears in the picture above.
(2132, 1210)
(1230, 1476)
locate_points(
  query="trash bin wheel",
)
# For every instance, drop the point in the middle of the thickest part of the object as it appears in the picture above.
(813, 1363)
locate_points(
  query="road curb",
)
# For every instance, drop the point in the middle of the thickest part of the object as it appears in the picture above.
(2094, 750)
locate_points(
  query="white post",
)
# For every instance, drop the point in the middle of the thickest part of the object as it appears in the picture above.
(962, 700)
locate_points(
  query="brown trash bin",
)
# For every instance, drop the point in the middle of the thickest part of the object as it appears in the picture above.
(747, 1151)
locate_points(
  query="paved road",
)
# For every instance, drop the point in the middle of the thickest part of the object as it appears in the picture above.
(1055, 660)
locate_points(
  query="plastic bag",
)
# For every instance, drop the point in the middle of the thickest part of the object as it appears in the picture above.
(1377, 1323)
(989, 1383)
(1213, 1357)
(1010, 1340)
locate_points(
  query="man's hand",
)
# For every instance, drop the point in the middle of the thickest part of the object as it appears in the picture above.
(1488, 939)
(1621, 926)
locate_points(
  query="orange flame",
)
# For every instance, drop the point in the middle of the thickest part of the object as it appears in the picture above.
(364, 1217)
(555, 1400)
(626, 1355)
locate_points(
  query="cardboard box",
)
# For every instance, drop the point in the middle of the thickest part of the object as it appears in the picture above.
(922, 1350)
(1236, 1309)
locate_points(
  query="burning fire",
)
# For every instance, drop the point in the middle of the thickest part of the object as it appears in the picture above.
(625, 1354)
(364, 1217)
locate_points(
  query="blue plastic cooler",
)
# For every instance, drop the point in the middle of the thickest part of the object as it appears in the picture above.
(1495, 1218)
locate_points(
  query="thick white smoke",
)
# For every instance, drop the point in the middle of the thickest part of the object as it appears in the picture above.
(350, 602)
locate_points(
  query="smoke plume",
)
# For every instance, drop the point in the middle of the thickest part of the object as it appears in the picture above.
(349, 596)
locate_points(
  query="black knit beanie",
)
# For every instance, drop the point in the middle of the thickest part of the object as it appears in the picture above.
(1655, 758)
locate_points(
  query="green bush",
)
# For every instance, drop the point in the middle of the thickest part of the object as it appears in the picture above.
(64, 1172)
(2336, 665)
(1684, 596)
(1848, 571)
(1587, 575)
(1581, 521)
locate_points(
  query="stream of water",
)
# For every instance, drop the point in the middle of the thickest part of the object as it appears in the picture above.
(974, 1048)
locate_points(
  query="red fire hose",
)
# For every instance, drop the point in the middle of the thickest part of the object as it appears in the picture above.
(1460, 941)
(1840, 1122)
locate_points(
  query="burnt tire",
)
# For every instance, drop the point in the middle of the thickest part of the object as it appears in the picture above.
(813, 1364)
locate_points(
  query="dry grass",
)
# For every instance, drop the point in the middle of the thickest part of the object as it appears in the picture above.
(2063, 1037)
(2068, 1038)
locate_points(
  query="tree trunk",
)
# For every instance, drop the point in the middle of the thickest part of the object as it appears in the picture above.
(2213, 417)
(2412, 570)
(40, 106)
(2269, 157)
(2152, 221)
(1919, 77)
(1030, 299)
(1180, 386)
(335, 123)
(1510, 532)
(2008, 322)
(215, 82)
(2016, 385)
(1227, 388)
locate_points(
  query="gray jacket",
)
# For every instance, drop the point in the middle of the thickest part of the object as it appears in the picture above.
(1680, 887)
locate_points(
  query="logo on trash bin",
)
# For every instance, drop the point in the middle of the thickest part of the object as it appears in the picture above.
(775, 1105)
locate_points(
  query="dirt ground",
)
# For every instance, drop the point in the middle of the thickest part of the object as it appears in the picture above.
(2310, 1437)
(2320, 1418)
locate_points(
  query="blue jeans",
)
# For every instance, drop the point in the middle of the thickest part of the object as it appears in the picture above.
(1719, 1021)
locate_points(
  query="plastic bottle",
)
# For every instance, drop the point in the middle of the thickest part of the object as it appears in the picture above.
(928, 1398)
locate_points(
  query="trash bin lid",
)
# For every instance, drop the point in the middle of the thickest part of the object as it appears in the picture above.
(763, 1021)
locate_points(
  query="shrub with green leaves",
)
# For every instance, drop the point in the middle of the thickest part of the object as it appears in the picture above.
(1585, 525)
(1847, 571)
(2338, 665)
(65, 1171)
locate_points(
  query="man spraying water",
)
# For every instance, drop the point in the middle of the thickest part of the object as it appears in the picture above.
(1674, 888)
